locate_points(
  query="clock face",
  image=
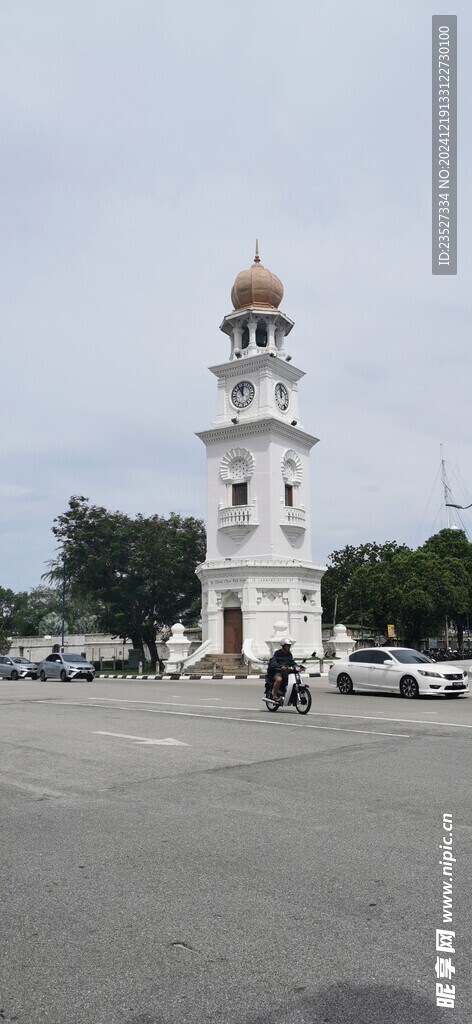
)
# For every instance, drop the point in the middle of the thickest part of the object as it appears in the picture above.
(281, 397)
(242, 394)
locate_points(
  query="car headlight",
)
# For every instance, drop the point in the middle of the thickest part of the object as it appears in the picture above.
(424, 672)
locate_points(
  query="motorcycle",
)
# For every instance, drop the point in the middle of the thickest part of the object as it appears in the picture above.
(300, 696)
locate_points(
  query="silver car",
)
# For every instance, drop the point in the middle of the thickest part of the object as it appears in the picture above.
(17, 668)
(66, 667)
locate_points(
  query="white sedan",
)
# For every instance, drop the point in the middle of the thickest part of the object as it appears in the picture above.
(397, 670)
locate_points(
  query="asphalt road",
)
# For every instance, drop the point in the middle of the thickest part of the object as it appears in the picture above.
(264, 869)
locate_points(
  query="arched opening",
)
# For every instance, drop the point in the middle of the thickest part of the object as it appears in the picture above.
(261, 335)
(245, 337)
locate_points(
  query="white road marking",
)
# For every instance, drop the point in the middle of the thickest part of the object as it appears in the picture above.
(125, 701)
(169, 742)
(174, 704)
(231, 718)
(313, 714)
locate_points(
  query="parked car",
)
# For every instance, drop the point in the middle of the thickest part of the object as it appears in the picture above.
(17, 668)
(66, 667)
(397, 670)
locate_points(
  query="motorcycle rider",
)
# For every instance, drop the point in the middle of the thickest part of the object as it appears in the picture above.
(280, 665)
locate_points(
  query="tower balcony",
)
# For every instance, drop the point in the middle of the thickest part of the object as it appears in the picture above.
(238, 520)
(293, 521)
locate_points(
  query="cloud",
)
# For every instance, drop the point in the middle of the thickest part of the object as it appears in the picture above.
(12, 491)
(145, 150)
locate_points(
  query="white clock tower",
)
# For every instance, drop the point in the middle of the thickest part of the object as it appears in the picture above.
(258, 569)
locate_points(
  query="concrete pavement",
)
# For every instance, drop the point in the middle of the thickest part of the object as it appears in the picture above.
(274, 869)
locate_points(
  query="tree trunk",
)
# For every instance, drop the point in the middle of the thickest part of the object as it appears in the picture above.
(460, 635)
(154, 654)
(137, 642)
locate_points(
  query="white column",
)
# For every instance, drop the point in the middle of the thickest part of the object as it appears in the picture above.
(279, 340)
(236, 340)
(252, 326)
(221, 400)
(271, 347)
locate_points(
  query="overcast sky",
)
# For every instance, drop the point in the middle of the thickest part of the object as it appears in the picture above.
(145, 145)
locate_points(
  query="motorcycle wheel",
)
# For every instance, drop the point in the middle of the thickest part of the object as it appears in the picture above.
(303, 708)
(273, 707)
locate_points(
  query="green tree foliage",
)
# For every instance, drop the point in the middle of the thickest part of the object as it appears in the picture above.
(6, 597)
(140, 571)
(415, 590)
(32, 607)
(7, 600)
(39, 612)
(454, 547)
(4, 640)
(337, 581)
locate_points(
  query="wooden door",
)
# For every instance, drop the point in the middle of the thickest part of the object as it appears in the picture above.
(233, 630)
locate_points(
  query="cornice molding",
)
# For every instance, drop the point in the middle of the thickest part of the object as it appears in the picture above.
(278, 567)
(251, 428)
(249, 364)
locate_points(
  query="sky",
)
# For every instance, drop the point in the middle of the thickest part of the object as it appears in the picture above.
(146, 145)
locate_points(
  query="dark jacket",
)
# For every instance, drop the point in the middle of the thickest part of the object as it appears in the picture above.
(279, 661)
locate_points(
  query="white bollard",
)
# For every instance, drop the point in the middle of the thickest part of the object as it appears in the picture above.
(178, 646)
(343, 643)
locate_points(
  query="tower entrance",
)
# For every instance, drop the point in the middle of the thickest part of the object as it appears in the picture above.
(233, 630)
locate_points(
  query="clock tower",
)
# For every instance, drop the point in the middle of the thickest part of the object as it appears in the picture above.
(258, 570)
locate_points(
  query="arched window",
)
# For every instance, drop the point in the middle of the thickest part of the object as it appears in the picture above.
(261, 335)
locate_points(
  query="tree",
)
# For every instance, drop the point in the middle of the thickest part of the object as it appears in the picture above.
(39, 612)
(416, 590)
(7, 599)
(140, 572)
(338, 580)
(413, 589)
(4, 639)
(454, 548)
(31, 608)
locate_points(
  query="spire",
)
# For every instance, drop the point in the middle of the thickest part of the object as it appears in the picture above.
(257, 258)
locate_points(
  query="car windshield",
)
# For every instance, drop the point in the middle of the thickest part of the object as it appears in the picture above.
(74, 658)
(410, 657)
(21, 661)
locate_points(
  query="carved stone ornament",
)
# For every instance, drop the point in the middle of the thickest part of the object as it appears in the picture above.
(237, 465)
(291, 468)
(272, 595)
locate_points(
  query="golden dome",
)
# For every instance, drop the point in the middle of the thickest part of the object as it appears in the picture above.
(257, 287)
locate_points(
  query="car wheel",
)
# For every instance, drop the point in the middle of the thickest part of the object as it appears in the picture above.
(89, 677)
(409, 687)
(14, 675)
(42, 676)
(345, 683)
(63, 675)
(35, 675)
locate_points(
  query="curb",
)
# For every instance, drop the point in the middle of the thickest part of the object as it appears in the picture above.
(309, 675)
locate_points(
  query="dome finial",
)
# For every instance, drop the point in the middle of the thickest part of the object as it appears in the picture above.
(257, 288)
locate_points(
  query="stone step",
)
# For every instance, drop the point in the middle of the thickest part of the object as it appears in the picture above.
(223, 658)
(226, 664)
